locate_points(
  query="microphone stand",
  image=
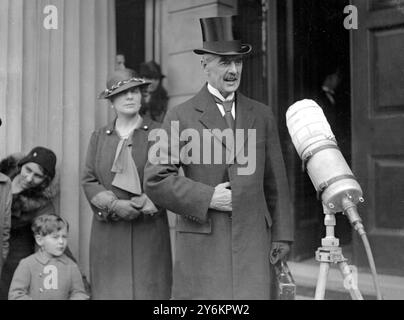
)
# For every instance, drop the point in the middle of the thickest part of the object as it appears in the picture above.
(331, 252)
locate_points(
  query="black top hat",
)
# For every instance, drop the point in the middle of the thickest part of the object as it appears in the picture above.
(220, 37)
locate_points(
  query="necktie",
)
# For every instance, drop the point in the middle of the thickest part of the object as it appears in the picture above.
(227, 105)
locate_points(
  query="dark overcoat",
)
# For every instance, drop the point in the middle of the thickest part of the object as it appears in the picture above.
(5, 216)
(221, 255)
(128, 260)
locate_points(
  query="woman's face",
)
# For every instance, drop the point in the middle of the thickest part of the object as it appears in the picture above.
(31, 176)
(128, 102)
(153, 85)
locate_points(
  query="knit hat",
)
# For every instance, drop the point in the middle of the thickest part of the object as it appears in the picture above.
(43, 157)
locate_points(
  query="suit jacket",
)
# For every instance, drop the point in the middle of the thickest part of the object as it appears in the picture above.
(222, 256)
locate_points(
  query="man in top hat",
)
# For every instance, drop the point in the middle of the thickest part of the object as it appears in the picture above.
(155, 98)
(230, 222)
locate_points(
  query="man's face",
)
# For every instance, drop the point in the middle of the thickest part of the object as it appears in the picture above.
(223, 72)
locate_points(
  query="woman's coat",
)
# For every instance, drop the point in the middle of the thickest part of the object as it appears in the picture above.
(128, 260)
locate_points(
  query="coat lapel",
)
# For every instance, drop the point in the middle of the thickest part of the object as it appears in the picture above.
(245, 119)
(139, 145)
(211, 118)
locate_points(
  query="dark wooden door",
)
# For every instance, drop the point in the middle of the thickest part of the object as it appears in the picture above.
(378, 129)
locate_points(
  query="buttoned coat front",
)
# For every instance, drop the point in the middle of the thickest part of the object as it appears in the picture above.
(128, 259)
(41, 278)
(221, 255)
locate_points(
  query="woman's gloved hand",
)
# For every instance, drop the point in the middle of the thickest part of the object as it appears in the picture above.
(145, 205)
(112, 208)
(125, 209)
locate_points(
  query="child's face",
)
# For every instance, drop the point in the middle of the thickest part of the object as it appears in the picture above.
(53, 244)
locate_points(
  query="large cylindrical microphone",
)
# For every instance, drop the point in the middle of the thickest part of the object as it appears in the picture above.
(331, 176)
(316, 145)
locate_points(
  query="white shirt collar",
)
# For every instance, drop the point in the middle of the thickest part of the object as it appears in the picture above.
(216, 93)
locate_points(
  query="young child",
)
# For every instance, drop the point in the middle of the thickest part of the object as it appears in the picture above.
(48, 274)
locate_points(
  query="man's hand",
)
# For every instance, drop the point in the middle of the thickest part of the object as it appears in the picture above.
(221, 199)
(279, 250)
(125, 209)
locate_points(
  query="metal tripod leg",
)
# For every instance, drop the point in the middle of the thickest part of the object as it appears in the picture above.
(350, 283)
(331, 252)
(322, 281)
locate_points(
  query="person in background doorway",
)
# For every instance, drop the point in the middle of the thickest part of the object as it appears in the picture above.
(120, 63)
(155, 98)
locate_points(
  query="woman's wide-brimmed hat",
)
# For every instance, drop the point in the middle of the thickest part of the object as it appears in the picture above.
(119, 81)
(150, 70)
(42, 156)
(220, 37)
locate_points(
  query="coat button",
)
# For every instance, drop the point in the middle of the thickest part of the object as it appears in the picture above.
(40, 275)
(145, 127)
(108, 131)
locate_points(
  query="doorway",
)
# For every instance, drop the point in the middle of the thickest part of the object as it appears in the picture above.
(297, 44)
(320, 47)
(130, 31)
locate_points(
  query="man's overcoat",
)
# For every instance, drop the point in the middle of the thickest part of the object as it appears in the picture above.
(221, 255)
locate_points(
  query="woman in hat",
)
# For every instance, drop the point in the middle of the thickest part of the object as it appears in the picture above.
(130, 252)
(30, 177)
(155, 98)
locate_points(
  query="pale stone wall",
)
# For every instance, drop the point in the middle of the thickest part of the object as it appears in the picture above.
(49, 83)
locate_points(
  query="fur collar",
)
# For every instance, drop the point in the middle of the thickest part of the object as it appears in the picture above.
(28, 200)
